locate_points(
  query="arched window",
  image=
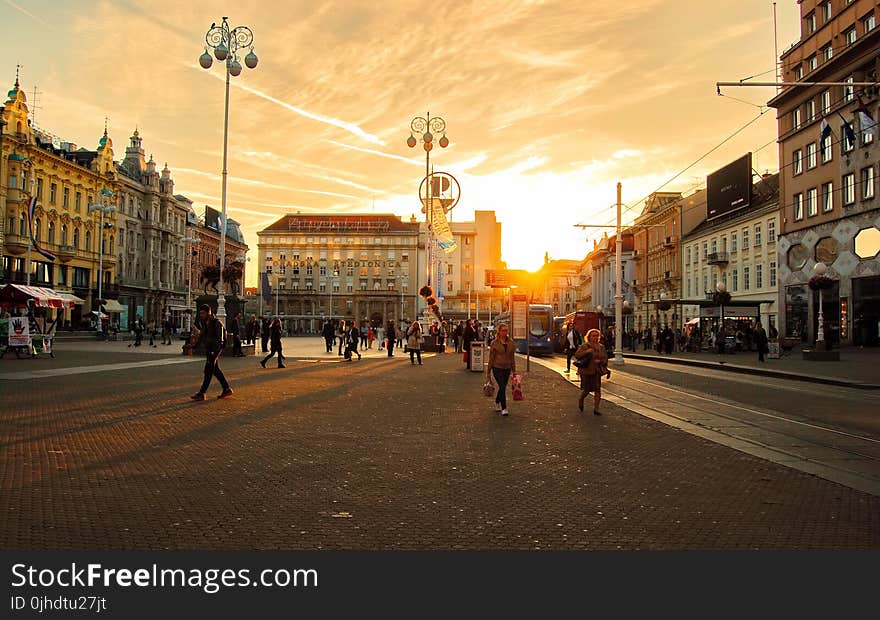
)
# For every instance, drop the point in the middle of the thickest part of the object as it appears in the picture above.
(64, 234)
(111, 245)
(51, 232)
(22, 225)
(38, 228)
(76, 238)
(88, 240)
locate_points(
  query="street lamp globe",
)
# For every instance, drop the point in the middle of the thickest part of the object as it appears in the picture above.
(235, 68)
(411, 141)
(428, 146)
(721, 287)
(820, 269)
(664, 296)
(220, 52)
(444, 142)
(205, 60)
(251, 60)
(599, 309)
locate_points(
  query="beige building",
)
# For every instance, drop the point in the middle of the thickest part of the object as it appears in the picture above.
(357, 266)
(830, 211)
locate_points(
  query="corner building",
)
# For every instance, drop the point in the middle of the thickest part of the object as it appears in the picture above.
(829, 209)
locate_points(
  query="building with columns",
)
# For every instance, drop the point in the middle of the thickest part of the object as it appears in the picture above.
(150, 221)
(354, 266)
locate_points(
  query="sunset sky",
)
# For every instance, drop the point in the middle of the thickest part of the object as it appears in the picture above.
(548, 104)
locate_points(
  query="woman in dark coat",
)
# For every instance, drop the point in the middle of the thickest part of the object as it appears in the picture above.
(275, 344)
(591, 374)
(469, 335)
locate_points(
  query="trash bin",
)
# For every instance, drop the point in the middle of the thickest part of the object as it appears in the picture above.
(475, 359)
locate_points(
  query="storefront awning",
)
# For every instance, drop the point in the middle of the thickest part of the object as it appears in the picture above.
(70, 297)
(18, 295)
(114, 306)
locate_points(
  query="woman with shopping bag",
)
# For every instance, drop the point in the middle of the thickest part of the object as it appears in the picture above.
(502, 363)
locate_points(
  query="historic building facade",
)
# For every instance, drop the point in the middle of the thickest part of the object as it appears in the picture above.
(830, 212)
(357, 266)
(65, 180)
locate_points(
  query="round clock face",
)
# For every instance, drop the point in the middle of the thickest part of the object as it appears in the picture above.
(797, 256)
(827, 250)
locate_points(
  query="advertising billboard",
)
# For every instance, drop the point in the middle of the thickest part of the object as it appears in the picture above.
(729, 188)
(212, 218)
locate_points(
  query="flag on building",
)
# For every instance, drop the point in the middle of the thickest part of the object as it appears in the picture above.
(265, 287)
(825, 132)
(32, 207)
(866, 121)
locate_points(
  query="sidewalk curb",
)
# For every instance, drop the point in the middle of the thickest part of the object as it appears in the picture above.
(764, 372)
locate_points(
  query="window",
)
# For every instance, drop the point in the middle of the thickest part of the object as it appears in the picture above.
(76, 238)
(828, 52)
(65, 200)
(80, 277)
(849, 36)
(811, 155)
(798, 72)
(771, 231)
(798, 206)
(22, 225)
(757, 235)
(848, 92)
(827, 153)
(745, 238)
(846, 143)
(796, 119)
(735, 280)
(51, 238)
(827, 197)
(772, 274)
(811, 111)
(714, 245)
(826, 12)
(867, 183)
(88, 241)
(812, 205)
(39, 189)
(77, 201)
(746, 282)
(759, 276)
(866, 129)
(687, 256)
(53, 190)
(869, 22)
(849, 189)
(797, 162)
(810, 22)
(705, 250)
(733, 247)
(724, 244)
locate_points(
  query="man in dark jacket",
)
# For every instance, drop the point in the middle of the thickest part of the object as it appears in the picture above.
(329, 334)
(761, 341)
(212, 338)
(235, 334)
(391, 335)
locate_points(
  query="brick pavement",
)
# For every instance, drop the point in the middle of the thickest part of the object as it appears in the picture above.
(381, 455)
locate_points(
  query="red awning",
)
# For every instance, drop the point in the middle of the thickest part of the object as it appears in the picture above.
(17, 296)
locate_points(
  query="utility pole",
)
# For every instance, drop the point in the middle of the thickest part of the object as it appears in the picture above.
(618, 293)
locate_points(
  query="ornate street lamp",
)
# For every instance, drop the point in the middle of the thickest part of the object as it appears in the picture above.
(426, 128)
(189, 256)
(102, 209)
(817, 283)
(226, 42)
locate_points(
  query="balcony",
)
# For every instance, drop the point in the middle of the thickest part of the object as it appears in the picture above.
(717, 258)
(65, 253)
(15, 195)
(16, 244)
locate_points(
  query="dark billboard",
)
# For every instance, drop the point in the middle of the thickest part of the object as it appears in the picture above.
(729, 188)
(212, 218)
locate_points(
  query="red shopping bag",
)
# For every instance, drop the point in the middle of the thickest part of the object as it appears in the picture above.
(516, 383)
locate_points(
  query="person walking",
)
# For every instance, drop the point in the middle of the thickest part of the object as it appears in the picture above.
(380, 337)
(329, 333)
(467, 337)
(151, 328)
(343, 337)
(235, 334)
(414, 342)
(363, 337)
(391, 335)
(213, 338)
(264, 334)
(275, 340)
(502, 363)
(591, 374)
(761, 341)
(354, 336)
(166, 331)
(573, 340)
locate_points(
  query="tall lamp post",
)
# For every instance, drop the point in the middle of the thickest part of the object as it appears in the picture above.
(226, 42)
(334, 276)
(102, 209)
(189, 258)
(427, 127)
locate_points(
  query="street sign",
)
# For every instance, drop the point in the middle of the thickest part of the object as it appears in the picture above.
(519, 316)
(505, 278)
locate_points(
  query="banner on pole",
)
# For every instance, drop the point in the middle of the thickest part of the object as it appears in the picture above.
(520, 316)
(442, 231)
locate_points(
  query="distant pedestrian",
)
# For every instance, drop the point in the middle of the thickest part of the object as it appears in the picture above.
(761, 341)
(275, 342)
(342, 334)
(264, 334)
(573, 340)
(414, 342)
(363, 333)
(468, 336)
(591, 374)
(328, 333)
(235, 334)
(391, 335)
(166, 331)
(353, 339)
(502, 363)
(380, 337)
(213, 338)
(151, 328)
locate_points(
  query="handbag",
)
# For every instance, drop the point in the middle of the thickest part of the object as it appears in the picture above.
(584, 361)
(516, 381)
(488, 389)
(464, 357)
